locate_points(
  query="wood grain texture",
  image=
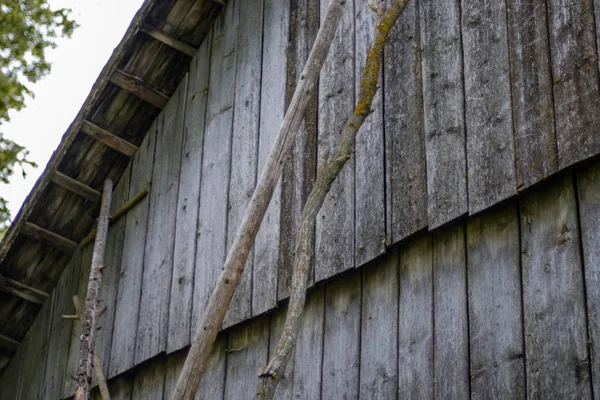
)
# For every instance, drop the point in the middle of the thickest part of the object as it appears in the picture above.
(531, 83)
(186, 227)
(334, 239)
(588, 193)
(212, 217)
(285, 387)
(495, 305)
(406, 197)
(148, 383)
(247, 353)
(308, 356)
(244, 144)
(153, 318)
(490, 141)
(576, 92)
(369, 167)
(553, 297)
(450, 324)
(415, 334)
(443, 111)
(132, 262)
(11, 377)
(272, 110)
(341, 341)
(379, 330)
(120, 388)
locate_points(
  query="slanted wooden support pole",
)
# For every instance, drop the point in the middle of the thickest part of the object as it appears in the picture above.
(90, 315)
(109, 139)
(8, 343)
(75, 186)
(138, 87)
(21, 290)
(169, 41)
(48, 238)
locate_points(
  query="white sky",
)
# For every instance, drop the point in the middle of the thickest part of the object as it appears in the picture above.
(76, 63)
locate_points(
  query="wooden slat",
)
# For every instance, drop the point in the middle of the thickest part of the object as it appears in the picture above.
(153, 318)
(531, 83)
(334, 236)
(182, 286)
(138, 87)
(588, 187)
(575, 76)
(75, 186)
(8, 343)
(415, 334)
(341, 341)
(406, 197)
(495, 305)
(443, 111)
(48, 238)
(553, 295)
(244, 144)
(490, 142)
(451, 326)
(212, 217)
(379, 330)
(272, 111)
(168, 40)
(23, 291)
(132, 262)
(109, 139)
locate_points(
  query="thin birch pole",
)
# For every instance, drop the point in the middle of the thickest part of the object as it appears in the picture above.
(326, 173)
(90, 316)
(206, 331)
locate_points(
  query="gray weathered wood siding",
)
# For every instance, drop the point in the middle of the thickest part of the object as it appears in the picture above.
(478, 102)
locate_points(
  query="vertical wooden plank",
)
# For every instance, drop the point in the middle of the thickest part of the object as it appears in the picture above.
(272, 110)
(334, 239)
(490, 142)
(531, 83)
(175, 363)
(299, 172)
(341, 342)
(406, 197)
(588, 192)
(553, 296)
(132, 261)
(112, 272)
(285, 387)
(153, 319)
(576, 93)
(244, 144)
(495, 305)
(120, 388)
(60, 329)
(212, 217)
(308, 355)
(369, 148)
(415, 334)
(443, 110)
(379, 330)
(247, 353)
(148, 383)
(11, 375)
(182, 286)
(450, 323)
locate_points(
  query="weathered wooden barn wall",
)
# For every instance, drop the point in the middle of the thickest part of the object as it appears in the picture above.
(478, 102)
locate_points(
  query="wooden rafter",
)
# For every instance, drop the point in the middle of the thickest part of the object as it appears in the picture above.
(23, 291)
(109, 139)
(75, 186)
(138, 87)
(48, 238)
(169, 41)
(8, 343)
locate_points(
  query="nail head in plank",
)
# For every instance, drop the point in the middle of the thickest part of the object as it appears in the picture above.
(48, 238)
(75, 186)
(138, 87)
(109, 139)
(169, 41)
(23, 291)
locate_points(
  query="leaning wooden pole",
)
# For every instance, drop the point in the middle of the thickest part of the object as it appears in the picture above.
(327, 172)
(206, 331)
(90, 315)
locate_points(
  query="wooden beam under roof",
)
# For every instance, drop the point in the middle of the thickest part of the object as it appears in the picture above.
(109, 139)
(169, 41)
(48, 238)
(23, 291)
(75, 186)
(8, 343)
(138, 87)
